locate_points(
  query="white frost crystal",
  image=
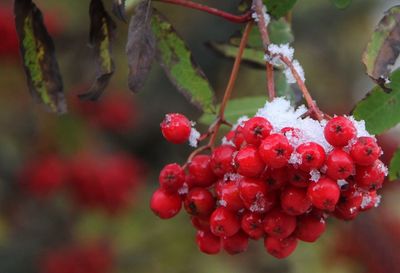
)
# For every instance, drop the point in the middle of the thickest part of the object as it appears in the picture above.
(194, 137)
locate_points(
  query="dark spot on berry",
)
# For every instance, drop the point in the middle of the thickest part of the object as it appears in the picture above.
(338, 129)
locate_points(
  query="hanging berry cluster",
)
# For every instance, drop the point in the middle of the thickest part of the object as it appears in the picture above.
(276, 176)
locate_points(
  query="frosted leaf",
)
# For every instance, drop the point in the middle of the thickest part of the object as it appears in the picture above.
(284, 50)
(315, 175)
(184, 189)
(194, 137)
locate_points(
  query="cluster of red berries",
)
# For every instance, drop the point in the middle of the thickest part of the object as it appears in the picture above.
(94, 257)
(262, 183)
(104, 182)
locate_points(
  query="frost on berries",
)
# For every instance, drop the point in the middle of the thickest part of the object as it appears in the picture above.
(278, 176)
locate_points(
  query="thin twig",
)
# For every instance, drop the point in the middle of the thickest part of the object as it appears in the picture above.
(246, 17)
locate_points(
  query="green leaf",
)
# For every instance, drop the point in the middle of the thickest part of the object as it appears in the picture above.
(38, 54)
(140, 48)
(381, 110)
(279, 8)
(178, 64)
(341, 4)
(394, 168)
(383, 48)
(280, 32)
(102, 33)
(236, 108)
(251, 55)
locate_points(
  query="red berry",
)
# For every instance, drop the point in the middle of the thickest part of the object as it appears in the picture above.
(224, 222)
(199, 201)
(252, 224)
(236, 244)
(365, 151)
(165, 205)
(276, 178)
(201, 172)
(248, 162)
(370, 200)
(172, 177)
(256, 129)
(238, 137)
(200, 222)
(339, 131)
(371, 177)
(324, 194)
(275, 150)
(207, 242)
(176, 128)
(312, 156)
(279, 224)
(254, 194)
(280, 248)
(228, 194)
(310, 228)
(298, 178)
(340, 165)
(294, 201)
(349, 203)
(222, 160)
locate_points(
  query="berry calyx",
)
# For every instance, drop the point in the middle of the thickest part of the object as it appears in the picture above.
(279, 224)
(312, 156)
(340, 165)
(275, 150)
(252, 224)
(324, 194)
(365, 151)
(224, 223)
(256, 129)
(371, 177)
(172, 177)
(199, 201)
(176, 128)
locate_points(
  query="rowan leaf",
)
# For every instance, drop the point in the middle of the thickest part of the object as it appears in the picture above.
(383, 48)
(140, 48)
(179, 66)
(341, 4)
(394, 167)
(251, 55)
(279, 8)
(38, 54)
(102, 33)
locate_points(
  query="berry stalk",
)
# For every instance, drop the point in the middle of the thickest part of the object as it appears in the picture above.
(246, 17)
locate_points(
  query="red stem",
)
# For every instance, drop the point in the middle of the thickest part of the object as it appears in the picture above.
(246, 17)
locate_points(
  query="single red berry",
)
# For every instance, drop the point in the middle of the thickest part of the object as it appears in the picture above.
(236, 244)
(165, 205)
(201, 172)
(349, 203)
(254, 194)
(172, 177)
(312, 156)
(275, 150)
(222, 160)
(324, 194)
(310, 228)
(370, 200)
(224, 222)
(298, 178)
(280, 248)
(279, 224)
(294, 201)
(275, 178)
(207, 242)
(199, 201)
(252, 224)
(249, 162)
(238, 137)
(339, 131)
(201, 222)
(176, 128)
(365, 151)
(371, 177)
(340, 165)
(256, 129)
(228, 195)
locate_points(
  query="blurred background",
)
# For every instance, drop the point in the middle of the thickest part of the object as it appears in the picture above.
(55, 218)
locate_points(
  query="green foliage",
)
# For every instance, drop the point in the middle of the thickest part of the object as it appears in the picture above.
(280, 32)
(381, 110)
(383, 48)
(279, 8)
(341, 4)
(255, 56)
(236, 108)
(394, 168)
(38, 54)
(177, 62)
